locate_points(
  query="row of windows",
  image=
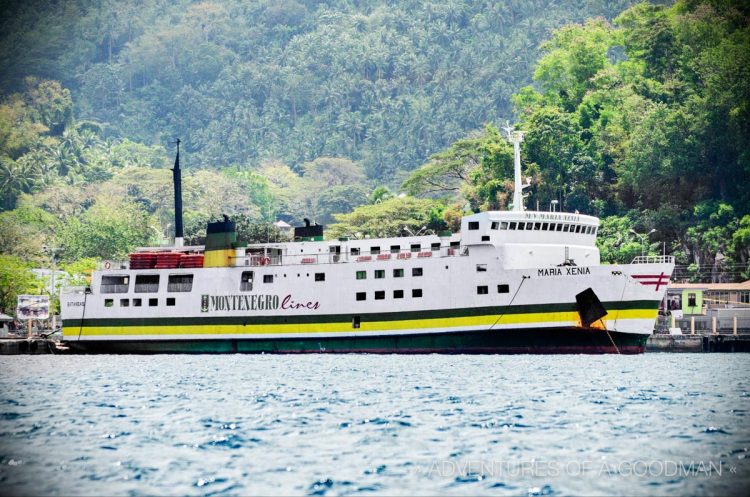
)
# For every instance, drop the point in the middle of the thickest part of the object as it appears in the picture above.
(537, 226)
(379, 274)
(146, 283)
(396, 249)
(247, 278)
(152, 302)
(485, 290)
(397, 294)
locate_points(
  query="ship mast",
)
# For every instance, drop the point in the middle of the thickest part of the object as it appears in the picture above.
(516, 137)
(177, 179)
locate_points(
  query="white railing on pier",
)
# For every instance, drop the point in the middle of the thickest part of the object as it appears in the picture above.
(654, 259)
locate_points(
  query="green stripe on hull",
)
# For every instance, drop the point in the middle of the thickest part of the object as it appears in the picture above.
(343, 318)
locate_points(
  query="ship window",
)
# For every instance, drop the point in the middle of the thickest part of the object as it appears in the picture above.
(108, 302)
(267, 278)
(512, 225)
(355, 251)
(114, 284)
(355, 322)
(417, 271)
(416, 293)
(398, 273)
(395, 249)
(529, 226)
(320, 276)
(485, 238)
(545, 226)
(595, 230)
(559, 227)
(504, 225)
(170, 301)
(137, 302)
(481, 268)
(361, 275)
(482, 290)
(455, 245)
(566, 228)
(146, 283)
(537, 226)
(435, 246)
(124, 302)
(374, 250)
(153, 302)
(521, 226)
(495, 225)
(361, 295)
(503, 288)
(380, 295)
(246, 281)
(379, 274)
(473, 225)
(578, 228)
(180, 283)
(398, 294)
(416, 247)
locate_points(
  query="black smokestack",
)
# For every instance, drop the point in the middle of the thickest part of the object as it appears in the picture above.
(177, 177)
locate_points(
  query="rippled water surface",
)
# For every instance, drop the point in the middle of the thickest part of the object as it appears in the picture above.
(661, 424)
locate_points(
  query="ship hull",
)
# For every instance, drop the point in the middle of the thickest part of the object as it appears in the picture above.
(522, 341)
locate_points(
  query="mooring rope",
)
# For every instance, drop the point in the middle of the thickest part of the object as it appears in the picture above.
(610, 337)
(523, 279)
(83, 314)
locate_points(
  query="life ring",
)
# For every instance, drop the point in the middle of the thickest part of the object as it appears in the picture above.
(265, 261)
(107, 264)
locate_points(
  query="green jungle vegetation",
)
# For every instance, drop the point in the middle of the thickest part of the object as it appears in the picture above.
(373, 117)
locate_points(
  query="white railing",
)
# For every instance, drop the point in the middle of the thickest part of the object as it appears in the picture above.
(331, 258)
(654, 259)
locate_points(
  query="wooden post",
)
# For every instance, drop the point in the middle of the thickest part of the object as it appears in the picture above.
(734, 324)
(713, 324)
(692, 325)
(28, 327)
(674, 321)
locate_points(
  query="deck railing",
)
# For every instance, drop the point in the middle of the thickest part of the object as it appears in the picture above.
(334, 258)
(653, 259)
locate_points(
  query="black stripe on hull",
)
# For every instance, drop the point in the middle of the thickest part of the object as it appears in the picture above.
(526, 341)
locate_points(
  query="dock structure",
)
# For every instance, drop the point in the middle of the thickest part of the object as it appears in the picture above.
(23, 346)
(699, 343)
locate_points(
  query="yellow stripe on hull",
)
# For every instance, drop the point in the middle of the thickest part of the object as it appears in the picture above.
(345, 327)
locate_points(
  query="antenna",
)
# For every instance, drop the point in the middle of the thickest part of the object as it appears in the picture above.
(516, 137)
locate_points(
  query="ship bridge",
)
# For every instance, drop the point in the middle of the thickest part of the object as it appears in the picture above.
(533, 238)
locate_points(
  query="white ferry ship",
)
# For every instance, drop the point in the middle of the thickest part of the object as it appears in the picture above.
(510, 282)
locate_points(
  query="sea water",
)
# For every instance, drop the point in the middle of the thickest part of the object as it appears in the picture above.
(654, 424)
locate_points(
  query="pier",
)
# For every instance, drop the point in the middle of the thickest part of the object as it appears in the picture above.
(33, 346)
(699, 343)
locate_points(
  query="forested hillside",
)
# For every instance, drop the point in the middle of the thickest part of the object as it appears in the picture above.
(335, 109)
(385, 83)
